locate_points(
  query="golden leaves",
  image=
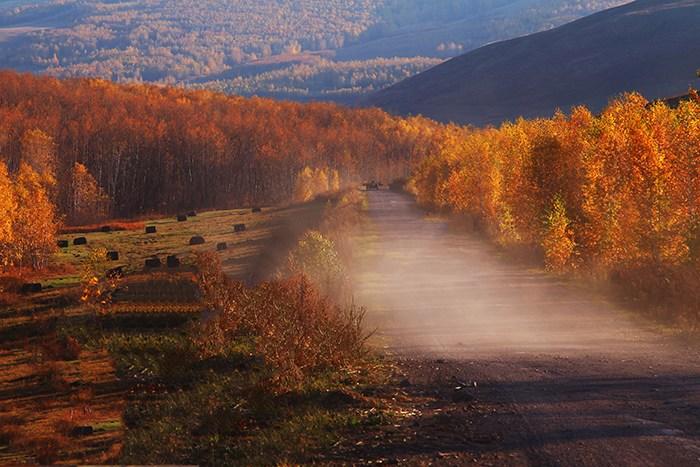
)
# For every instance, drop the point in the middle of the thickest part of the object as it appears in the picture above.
(622, 187)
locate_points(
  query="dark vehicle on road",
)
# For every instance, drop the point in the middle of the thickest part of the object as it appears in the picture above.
(372, 186)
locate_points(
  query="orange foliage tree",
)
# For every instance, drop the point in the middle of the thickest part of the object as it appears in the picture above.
(159, 149)
(610, 194)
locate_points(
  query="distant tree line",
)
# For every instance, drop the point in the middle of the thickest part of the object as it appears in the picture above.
(325, 79)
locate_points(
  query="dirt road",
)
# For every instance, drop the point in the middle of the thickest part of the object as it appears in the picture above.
(563, 377)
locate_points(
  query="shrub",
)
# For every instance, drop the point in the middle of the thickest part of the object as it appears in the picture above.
(51, 377)
(668, 291)
(316, 257)
(98, 286)
(64, 348)
(557, 239)
(295, 329)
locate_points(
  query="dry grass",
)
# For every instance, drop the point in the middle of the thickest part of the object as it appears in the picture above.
(64, 348)
(670, 293)
(50, 398)
(114, 225)
(64, 368)
(48, 380)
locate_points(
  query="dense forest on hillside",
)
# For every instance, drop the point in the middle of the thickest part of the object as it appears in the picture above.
(185, 41)
(325, 79)
(164, 149)
(89, 149)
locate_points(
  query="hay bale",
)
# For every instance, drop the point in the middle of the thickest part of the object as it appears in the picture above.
(173, 261)
(80, 241)
(239, 228)
(197, 240)
(106, 228)
(62, 243)
(153, 263)
(30, 288)
(192, 214)
(256, 210)
(115, 273)
(151, 229)
(80, 431)
(221, 246)
(181, 218)
(113, 255)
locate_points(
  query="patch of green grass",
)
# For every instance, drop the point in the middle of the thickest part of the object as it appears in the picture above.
(172, 238)
(113, 425)
(220, 411)
(63, 281)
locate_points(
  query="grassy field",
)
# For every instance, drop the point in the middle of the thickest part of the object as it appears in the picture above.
(128, 384)
(243, 258)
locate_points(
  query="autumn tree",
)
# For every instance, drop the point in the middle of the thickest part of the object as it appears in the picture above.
(320, 181)
(39, 152)
(34, 222)
(557, 237)
(8, 209)
(160, 149)
(89, 203)
(334, 183)
(304, 190)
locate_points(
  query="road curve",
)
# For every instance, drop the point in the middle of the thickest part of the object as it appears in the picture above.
(571, 378)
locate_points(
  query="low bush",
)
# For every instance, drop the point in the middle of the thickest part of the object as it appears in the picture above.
(316, 257)
(669, 292)
(10, 288)
(50, 376)
(295, 329)
(65, 348)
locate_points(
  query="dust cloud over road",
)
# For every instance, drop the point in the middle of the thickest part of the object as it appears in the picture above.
(567, 376)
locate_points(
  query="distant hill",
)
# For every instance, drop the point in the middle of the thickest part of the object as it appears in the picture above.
(650, 46)
(293, 49)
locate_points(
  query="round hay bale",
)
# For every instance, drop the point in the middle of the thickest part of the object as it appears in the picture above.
(192, 214)
(80, 241)
(113, 255)
(153, 263)
(30, 288)
(181, 218)
(151, 229)
(197, 240)
(256, 210)
(221, 246)
(239, 228)
(80, 431)
(173, 261)
(62, 243)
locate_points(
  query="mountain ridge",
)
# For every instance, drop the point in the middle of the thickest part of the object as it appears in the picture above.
(646, 46)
